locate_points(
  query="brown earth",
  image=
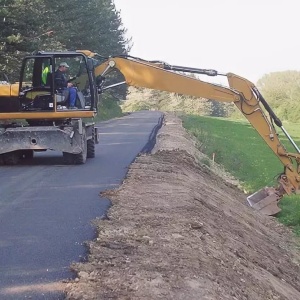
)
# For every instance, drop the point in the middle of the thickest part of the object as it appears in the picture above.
(179, 230)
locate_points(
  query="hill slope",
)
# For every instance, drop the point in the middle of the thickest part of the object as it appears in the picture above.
(177, 230)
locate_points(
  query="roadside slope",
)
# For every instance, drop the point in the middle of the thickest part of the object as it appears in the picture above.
(178, 230)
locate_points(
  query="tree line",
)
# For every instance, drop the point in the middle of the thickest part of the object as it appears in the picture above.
(30, 25)
(282, 92)
(280, 89)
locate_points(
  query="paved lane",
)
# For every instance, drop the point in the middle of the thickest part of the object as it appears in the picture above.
(46, 208)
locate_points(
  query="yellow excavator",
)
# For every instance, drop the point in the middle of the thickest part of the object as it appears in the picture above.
(52, 125)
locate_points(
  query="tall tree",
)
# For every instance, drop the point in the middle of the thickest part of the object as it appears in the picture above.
(20, 28)
(92, 24)
(282, 92)
(28, 25)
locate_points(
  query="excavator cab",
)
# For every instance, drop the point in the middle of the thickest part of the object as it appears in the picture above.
(44, 105)
(38, 90)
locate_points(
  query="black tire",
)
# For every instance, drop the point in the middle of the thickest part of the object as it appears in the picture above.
(80, 158)
(91, 145)
(11, 158)
(68, 158)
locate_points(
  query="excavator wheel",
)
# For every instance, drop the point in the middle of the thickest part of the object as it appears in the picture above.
(91, 146)
(80, 158)
(68, 158)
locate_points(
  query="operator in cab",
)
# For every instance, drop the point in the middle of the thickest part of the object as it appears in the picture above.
(62, 84)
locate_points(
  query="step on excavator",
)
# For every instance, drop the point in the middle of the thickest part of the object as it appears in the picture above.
(51, 125)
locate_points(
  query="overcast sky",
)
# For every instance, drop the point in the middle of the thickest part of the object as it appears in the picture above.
(249, 38)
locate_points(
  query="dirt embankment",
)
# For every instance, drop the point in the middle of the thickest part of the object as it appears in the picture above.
(177, 230)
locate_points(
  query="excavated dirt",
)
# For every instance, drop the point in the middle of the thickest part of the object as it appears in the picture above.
(180, 230)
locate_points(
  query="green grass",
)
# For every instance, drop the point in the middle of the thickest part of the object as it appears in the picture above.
(290, 214)
(108, 109)
(243, 153)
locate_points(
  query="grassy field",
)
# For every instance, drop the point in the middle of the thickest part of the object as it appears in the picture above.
(243, 153)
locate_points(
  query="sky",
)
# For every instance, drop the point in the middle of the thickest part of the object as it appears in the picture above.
(248, 38)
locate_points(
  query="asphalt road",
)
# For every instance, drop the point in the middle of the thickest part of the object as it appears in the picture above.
(46, 208)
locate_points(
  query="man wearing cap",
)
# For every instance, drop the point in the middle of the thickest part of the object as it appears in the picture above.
(62, 84)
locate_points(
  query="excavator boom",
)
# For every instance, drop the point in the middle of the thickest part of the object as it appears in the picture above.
(242, 92)
(40, 103)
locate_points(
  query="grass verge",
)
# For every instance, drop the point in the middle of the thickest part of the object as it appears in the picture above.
(239, 148)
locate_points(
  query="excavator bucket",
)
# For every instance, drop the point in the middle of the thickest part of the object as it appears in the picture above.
(265, 201)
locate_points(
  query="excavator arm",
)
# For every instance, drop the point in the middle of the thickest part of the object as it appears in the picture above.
(160, 76)
(243, 93)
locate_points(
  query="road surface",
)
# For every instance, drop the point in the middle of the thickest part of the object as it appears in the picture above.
(46, 208)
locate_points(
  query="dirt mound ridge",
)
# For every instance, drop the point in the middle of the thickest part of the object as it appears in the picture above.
(179, 231)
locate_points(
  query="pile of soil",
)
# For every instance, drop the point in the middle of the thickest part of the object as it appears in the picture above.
(180, 230)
